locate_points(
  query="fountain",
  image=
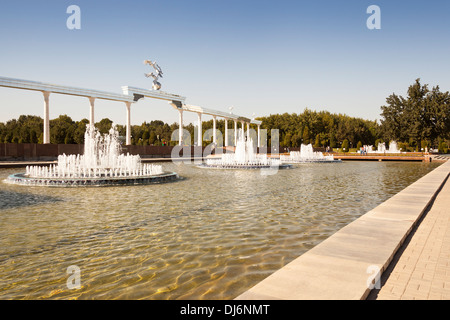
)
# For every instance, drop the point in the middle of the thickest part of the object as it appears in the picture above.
(305, 155)
(393, 147)
(102, 164)
(381, 148)
(244, 157)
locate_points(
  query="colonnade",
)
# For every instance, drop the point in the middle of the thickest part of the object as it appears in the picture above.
(214, 117)
(46, 139)
(180, 121)
(131, 95)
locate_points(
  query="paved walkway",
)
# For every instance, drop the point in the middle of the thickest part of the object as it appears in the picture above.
(421, 268)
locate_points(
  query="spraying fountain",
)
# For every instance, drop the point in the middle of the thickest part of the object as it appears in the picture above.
(244, 157)
(381, 148)
(102, 164)
(306, 155)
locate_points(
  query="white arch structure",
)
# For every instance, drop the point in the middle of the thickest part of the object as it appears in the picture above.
(130, 95)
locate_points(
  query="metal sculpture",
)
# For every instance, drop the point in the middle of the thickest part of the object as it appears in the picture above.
(158, 74)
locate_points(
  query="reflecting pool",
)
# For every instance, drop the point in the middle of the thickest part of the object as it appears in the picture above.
(211, 235)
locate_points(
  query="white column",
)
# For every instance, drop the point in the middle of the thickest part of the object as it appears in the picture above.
(248, 130)
(214, 130)
(243, 129)
(235, 132)
(128, 140)
(180, 129)
(226, 132)
(46, 117)
(200, 136)
(91, 118)
(259, 136)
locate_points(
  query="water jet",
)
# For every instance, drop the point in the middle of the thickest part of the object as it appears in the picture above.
(102, 164)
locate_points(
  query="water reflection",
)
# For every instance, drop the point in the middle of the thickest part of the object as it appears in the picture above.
(210, 236)
(14, 200)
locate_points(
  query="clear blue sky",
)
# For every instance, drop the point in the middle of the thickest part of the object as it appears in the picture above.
(262, 57)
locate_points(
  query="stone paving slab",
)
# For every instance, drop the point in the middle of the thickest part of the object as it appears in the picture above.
(343, 266)
(314, 277)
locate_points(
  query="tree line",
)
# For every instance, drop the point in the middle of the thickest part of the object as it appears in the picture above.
(322, 129)
(318, 128)
(64, 130)
(422, 119)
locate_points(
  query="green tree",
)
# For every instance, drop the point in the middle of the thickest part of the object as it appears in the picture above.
(317, 141)
(305, 136)
(287, 140)
(345, 145)
(424, 115)
(80, 130)
(296, 140)
(359, 145)
(152, 138)
(332, 140)
(104, 125)
(443, 147)
(145, 137)
(62, 130)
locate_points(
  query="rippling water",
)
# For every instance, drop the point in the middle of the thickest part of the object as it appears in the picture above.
(212, 235)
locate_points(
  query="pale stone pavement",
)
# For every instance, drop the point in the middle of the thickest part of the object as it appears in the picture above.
(421, 268)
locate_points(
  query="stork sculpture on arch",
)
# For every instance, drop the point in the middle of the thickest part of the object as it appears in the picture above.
(158, 74)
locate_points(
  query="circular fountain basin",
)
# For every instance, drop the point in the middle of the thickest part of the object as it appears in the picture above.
(307, 155)
(245, 166)
(312, 161)
(23, 179)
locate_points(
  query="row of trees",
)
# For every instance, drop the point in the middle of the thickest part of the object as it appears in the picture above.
(63, 130)
(322, 129)
(319, 128)
(420, 120)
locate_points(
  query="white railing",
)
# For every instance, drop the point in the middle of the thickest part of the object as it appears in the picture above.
(41, 86)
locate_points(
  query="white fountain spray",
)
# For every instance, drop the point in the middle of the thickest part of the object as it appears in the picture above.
(243, 157)
(102, 159)
(306, 154)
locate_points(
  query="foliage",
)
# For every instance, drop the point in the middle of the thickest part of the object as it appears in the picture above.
(321, 128)
(443, 147)
(26, 129)
(422, 118)
(62, 130)
(345, 145)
